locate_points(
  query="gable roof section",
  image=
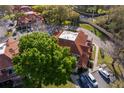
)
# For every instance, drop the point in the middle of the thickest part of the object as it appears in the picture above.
(75, 45)
(80, 41)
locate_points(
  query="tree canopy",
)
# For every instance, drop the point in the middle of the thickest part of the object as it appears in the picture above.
(90, 9)
(41, 61)
(56, 14)
(113, 22)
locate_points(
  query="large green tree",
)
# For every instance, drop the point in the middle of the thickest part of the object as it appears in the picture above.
(113, 21)
(54, 14)
(41, 61)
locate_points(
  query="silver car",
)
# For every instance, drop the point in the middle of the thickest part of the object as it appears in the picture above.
(104, 73)
(92, 80)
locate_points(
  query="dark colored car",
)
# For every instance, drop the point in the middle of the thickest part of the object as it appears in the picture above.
(83, 82)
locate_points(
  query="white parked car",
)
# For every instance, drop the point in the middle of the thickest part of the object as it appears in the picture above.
(104, 73)
(92, 80)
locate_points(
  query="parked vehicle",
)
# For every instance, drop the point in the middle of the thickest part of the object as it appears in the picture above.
(92, 80)
(84, 82)
(104, 73)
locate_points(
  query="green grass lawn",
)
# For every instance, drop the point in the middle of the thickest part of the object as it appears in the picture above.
(66, 22)
(86, 26)
(107, 58)
(92, 29)
(68, 85)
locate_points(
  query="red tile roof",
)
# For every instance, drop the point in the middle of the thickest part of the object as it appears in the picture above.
(29, 16)
(79, 47)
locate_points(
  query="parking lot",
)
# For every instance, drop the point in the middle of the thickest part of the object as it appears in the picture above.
(102, 82)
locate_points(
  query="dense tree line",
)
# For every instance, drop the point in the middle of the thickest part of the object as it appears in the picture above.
(57, 14)
(113, 22)
(88, 10)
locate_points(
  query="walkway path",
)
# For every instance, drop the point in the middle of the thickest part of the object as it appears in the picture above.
(96, 57)
(98, 28)
(108, 34)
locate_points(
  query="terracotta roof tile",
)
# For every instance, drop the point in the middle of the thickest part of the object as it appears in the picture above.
(79, 47)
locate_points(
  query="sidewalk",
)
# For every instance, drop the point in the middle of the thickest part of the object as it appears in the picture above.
(96, 57)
